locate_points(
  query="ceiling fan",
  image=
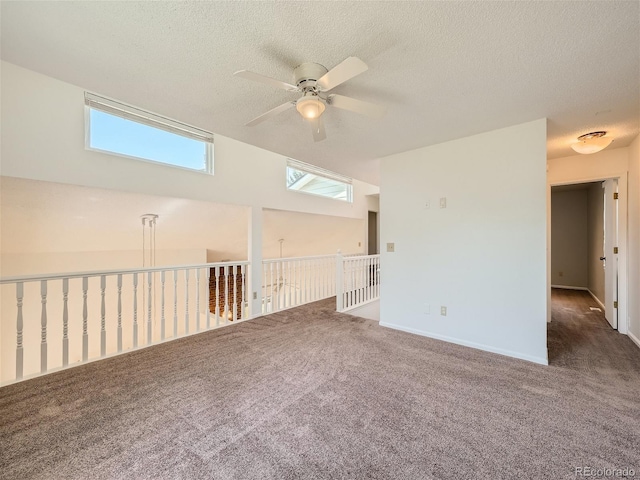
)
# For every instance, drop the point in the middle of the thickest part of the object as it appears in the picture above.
(313, 81)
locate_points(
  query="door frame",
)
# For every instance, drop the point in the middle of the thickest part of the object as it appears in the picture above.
(623, 260)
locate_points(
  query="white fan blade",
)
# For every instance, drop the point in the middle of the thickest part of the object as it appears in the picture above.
(271, 113)
(317, 126)
(358, 106)
(342, 72)
(256, 77)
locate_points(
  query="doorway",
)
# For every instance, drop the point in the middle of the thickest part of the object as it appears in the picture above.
(584, 237)
(372, 225)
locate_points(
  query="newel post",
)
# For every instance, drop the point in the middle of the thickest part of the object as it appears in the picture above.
(339, 281)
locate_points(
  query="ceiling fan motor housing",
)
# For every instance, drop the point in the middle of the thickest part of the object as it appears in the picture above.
(307, 74)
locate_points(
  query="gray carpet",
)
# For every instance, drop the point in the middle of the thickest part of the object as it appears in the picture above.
(309, 393)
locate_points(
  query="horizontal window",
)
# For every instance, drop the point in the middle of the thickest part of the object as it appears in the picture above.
(302, 177)
(125, 130)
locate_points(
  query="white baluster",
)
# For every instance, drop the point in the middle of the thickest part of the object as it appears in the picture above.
(339, 283)
(294, 280)
(216, 273)
(19, 328)
(235, 292)
(208, 276)
(226, 294)
(271, 300)
(175, 304)
(354, 272)
(119, 312)
(103, 327)
(65, 322)
(263, 292)
(289, 280)
(367, 277)
(316, 280)
(85, 333)
(43, 327)
(186, 301)
(303, 282)
(243, 295)
(277, 287)
(149, 307)
(135, 310)
(323, 263)
(197, 299)
(162, 319)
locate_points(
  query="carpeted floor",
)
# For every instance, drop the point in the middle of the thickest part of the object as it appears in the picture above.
(309, 393)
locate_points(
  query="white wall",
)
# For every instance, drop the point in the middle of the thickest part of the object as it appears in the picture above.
(311, 234)
(586, 168)
(483, 256)
(634, 240)
(54, 227)
(569, 238)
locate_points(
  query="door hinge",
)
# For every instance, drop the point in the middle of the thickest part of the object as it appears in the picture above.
(615, 196)
(615, 249)
(615, 304)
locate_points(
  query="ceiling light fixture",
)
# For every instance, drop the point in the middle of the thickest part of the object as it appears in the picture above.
(310, 106)
(592, 142)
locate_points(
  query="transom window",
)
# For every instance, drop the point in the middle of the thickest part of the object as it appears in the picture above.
(302, 177)
(121, 129)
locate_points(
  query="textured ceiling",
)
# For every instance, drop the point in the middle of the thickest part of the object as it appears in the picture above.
(444, 70)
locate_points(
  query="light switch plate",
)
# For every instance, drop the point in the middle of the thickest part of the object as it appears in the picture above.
(391, 247)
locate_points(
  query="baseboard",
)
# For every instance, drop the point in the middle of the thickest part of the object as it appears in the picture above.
(634, 339)
(465, 343)
(597, 300)
(569, 287)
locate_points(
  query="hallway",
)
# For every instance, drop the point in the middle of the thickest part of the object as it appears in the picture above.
(581, 339)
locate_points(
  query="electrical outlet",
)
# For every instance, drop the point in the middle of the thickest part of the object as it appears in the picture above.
(560, 274)
(391, 247)
(443, 311)
(427, 204)
(359, 244)
(443, 202)
(255, 295)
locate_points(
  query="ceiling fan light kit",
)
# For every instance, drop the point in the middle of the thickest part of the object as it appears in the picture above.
(310, 106)
(592, 142)
(313, 80)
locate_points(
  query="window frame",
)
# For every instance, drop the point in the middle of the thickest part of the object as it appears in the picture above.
(319, 172)
(149, 119)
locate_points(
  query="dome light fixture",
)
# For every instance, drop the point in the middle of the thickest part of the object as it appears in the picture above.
(310, 106)
(592, 142)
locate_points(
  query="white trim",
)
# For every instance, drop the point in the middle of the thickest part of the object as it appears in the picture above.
(479, 346)
(208, 170)
(597, 300)
(569, 287)
(145, 117)
(98, 273)
(319, 171)
(634, 339)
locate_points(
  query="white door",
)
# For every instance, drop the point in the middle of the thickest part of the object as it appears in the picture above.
(611, 258)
